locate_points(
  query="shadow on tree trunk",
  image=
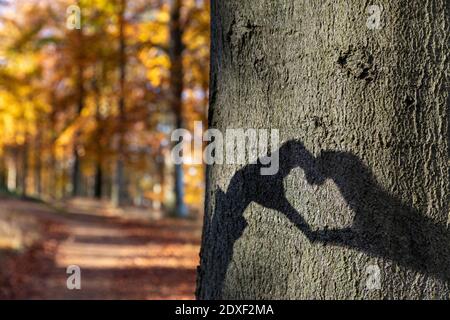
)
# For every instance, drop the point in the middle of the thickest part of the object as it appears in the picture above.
(383, 226)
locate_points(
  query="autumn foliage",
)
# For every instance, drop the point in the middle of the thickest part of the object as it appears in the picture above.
(61, 91)
(90, 91)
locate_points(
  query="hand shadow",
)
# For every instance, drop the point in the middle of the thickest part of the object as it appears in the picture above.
(248, 185)
(382, 227)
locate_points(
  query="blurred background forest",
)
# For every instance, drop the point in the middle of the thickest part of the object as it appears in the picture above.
(86, 111)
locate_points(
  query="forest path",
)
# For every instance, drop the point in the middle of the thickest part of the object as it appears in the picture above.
(119, 257)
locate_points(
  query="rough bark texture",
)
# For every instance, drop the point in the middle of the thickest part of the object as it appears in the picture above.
(364, 117)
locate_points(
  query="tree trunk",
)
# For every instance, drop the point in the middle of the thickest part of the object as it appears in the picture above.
(3, 174)
(12, 161)
(176, 91)
(38, 166)
(76, 170)
(53, 165)
(53, 174)
(24, 173)
(98, 179)
(118, 189)
(359, 206)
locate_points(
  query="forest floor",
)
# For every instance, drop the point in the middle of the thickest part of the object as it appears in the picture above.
(122, 254)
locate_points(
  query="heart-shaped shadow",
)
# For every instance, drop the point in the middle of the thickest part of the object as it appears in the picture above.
(383, 226)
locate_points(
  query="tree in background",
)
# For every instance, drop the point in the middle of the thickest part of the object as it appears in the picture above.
(119, 183)
(176, 91)
(75, 102)
(80, 62)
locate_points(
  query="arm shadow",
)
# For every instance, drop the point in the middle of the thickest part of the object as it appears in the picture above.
(382, 227)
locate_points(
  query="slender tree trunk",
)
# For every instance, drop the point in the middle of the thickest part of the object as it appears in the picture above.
(118, 190)
(24, 175)
(76, 170)
(76, 177)
(161, 167)
(98, 178)
(53, 174)
(64, 176)
(53, 170)
(11, 164)
(176, 91)
(38, 166)
(98, 181)
(359, 207)
(3, 173)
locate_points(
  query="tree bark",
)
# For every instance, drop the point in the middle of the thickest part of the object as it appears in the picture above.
(363, 185)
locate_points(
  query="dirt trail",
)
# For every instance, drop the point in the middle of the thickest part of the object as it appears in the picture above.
(119, 258)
